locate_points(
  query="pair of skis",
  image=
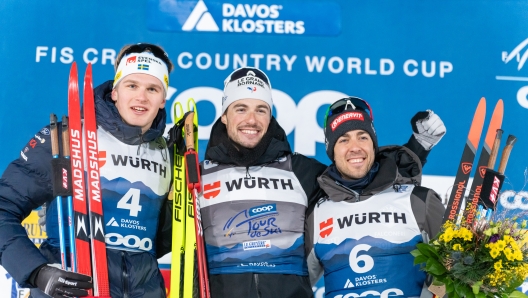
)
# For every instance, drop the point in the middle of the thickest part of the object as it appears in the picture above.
(188, 247)
(486, 161)
(86, 210)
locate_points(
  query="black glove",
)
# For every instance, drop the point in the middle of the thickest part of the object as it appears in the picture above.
(59, 283)
(176, 135)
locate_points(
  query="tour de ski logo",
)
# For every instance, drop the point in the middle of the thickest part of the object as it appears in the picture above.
(258, 221)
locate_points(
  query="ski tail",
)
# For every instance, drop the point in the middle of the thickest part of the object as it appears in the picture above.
(99, 263)
(80, 218)
(476, 187)
(466, 163)
(179, 212)
(191, 276)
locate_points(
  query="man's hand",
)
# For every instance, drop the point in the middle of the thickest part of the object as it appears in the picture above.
(428, 128)
(59, 283)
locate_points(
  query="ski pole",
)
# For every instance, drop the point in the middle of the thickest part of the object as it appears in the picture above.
(502, 166)
(71, 229)
(494, 179)
(194, 185)
(55, 153)
(491, 164)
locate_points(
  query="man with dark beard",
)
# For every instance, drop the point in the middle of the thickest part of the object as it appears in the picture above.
(256, 192)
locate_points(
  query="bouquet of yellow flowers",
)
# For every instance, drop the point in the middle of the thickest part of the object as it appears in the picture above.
(484, 259)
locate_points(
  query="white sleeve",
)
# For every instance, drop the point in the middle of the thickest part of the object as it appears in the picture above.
(315, 270)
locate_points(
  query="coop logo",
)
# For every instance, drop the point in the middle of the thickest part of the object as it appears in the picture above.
(289, 17)
(262, 210)
(129, 241)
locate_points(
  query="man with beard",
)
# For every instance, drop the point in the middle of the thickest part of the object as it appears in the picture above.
(360, 234)
(256, 192)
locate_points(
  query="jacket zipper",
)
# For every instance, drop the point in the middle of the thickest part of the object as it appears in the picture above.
(355, 193)
(125, 275)
(257, 284)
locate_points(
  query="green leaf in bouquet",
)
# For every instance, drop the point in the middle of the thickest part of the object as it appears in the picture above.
(450, 287)
(427, 250)
(416, 253)
(438, 282)
(420, 259)
(434, 267)
(476, 287)
(480, 295)
(514, 285)
(517, 294)
(463, 290)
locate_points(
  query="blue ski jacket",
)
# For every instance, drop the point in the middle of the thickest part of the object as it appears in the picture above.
(26, 184)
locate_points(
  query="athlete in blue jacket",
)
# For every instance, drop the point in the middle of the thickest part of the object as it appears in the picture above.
(360, 234)
(135, 182)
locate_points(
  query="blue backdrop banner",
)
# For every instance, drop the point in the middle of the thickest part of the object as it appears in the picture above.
(400, 56)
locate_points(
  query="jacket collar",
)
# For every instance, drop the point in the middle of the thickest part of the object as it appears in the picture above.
(217, 149)
(398, 165)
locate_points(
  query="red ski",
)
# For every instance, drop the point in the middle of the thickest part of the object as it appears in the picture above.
(476, 187)
(466, 163)
(82, 238)
(100, 269)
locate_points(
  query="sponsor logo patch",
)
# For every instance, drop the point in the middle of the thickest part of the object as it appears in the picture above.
(346, 117)
(131, 60)
(211, 190)
(262, 209)
(257, 244)
(45, 131)
(466, 167)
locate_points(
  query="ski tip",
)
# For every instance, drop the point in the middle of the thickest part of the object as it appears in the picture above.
(495, 123)
(88, 73)
(478, 123)
(73, 71)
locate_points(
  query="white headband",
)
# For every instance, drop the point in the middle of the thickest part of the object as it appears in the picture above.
(249, 86)
(144, 62)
